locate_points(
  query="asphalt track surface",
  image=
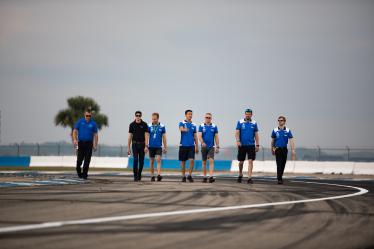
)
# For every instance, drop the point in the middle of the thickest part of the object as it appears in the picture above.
(334, 223)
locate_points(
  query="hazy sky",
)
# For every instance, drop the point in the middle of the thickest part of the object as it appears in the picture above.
(312, 61)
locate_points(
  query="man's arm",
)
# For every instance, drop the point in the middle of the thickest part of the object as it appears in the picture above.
(146, 136)
(96, 140)
(200, 136)
(196, 143)
(237, 137)
(216, 139)
(272, 146)
(257, 138)
(75, 137)
(129, 141)
(293, 150)
(183, 129)
(164, 140)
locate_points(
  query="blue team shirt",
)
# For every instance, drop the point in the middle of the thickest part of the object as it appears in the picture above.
(155, 135)
(208, 132)
(281, 136)
(85, 129)
(187, 138)
(247, 131)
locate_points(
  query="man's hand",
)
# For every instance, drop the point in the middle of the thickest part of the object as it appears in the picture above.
(273, 151)
(293, 155)
(257, 148)
(94, 147)
(197, 149)
(145, 149)
(129, 152)
(75, 142)
(165, 150)
(217, 150)
(238, 143)
(203, 144)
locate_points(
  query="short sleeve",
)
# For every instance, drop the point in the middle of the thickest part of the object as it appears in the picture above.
(163, 130)
(181, 124)
(238, 126)
(273, 135)
(76, 126)
(290, 134)
(256, 128)
(146, 128)
(95, 130)
(194, 131)
(200, 128)
(131, 129)
(216, 130)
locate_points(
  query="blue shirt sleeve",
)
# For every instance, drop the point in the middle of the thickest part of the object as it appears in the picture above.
(216, 131)
(273, 135)
(194, 131)
(256, 128)
(290, 134)
(238, 126)
(181, 124)
(200, 128)
(95, 130)
(163, 130)
(76, 126)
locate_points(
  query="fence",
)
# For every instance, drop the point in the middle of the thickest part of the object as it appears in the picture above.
(229, 153)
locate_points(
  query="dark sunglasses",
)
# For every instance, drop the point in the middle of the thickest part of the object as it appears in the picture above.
(208, 117)
(88, 116)
(280, 120)
(138, 115)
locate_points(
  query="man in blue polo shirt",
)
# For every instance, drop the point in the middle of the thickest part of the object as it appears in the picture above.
(188, 145)
(85, 138)
(157, 136)
(208, 136)
(279, 141)
(248, 142)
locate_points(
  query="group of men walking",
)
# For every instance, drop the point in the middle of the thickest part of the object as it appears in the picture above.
(151, 138)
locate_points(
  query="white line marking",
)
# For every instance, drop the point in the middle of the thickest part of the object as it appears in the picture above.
(361, 191)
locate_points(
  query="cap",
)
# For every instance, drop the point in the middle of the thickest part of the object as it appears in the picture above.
(248, 110)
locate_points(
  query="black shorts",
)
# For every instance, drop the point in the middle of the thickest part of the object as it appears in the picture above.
(207, 153)
(245, 150)
(186, 152)
(153, 152)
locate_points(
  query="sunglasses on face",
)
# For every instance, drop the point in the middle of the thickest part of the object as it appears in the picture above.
(88, 116)
(138, 116)
(208, 117)
(281, 120)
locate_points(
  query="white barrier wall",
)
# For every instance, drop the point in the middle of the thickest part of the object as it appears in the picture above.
(310, 167)
(70, 161)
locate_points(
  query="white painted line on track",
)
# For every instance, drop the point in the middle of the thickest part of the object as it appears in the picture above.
(361, 191)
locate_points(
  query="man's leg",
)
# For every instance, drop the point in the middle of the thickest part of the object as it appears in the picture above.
(204, 168)
(284, 161)
(151, 165)
(135, 162)
(211, 167)
(80, 158)
(158, 161)
(250, 168)
(141, 161)
(87, 159)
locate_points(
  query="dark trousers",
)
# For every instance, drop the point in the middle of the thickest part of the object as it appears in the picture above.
(281, 158)
(138, 153)
(84, 153)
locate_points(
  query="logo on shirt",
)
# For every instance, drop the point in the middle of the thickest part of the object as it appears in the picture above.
(243, 126)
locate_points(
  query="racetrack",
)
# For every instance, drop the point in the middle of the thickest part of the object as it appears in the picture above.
(344, 223)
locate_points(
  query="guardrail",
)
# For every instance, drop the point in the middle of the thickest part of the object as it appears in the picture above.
(346, 153)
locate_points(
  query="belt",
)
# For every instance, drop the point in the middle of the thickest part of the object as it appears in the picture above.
(135, 142)
(85, 141)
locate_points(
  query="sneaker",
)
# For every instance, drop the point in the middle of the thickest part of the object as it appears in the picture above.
(80, 175)
(250, 181)
(190, 178)
(205, 180)
(153, 179)
(280, 181)
(84, 177)
(240, 179)
(211, 179)
(184, 179)
(159, 178)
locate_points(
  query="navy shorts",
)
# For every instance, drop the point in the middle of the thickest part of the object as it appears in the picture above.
(153, 152)
(186, 152)
(246, 150)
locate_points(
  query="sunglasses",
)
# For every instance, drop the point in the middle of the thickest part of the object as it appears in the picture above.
(88, 116)
(281, 120)
(138, 115)
(208, 117)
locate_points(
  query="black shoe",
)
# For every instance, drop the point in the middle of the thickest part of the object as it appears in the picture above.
(211, 179)
(240, 179)
(280, 181)
(250, 181)
(140, 178)
(135, 179)
(80, 175)
(205, 180)
(153, 179)
(84, 177)
(190, 178)
(184, 179)
(159, 178)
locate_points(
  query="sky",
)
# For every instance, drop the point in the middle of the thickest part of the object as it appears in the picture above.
(312, 61)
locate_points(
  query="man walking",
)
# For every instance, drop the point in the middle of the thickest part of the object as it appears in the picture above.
(248, 142)
(208, 136)
(279, 141)
(137, 144)
(85, 138)
(157, 133)
(188, 145)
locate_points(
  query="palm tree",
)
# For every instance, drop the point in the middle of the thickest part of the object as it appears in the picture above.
(76, 107)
